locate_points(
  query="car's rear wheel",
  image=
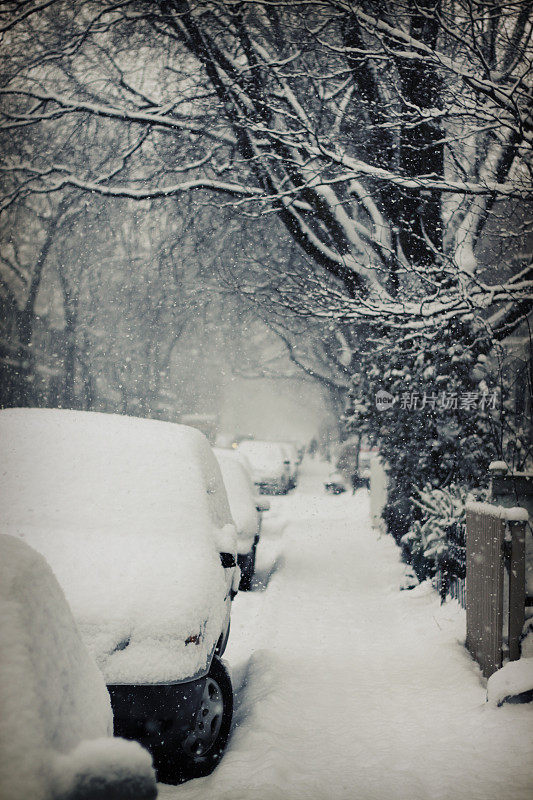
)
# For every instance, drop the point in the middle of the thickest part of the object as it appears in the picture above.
(202, 748)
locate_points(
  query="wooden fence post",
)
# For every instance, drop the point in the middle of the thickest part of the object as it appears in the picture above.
(485, 535)
(517, 585)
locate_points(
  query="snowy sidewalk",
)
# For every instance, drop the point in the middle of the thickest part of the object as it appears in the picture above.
(348, 688)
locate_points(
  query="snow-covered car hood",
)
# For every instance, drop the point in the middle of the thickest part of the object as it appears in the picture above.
(125, 526)
(136, 601)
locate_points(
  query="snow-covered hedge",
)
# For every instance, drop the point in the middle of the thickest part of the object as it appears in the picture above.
(438, 432)
(438, 536)
(513, 680)
(436, 539)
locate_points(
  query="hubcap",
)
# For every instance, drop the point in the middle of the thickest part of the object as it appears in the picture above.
(208, 721)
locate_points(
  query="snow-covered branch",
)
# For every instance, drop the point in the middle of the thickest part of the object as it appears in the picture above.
(386, 139)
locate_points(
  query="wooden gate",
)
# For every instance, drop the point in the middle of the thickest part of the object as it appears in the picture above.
(495, 540)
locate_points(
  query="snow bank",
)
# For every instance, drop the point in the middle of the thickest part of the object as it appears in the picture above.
(52, 696)
(409, 579)
(107, 769)
(514, 514)
(498, 466)
(514, 678)
(130, 514)
(241, 496)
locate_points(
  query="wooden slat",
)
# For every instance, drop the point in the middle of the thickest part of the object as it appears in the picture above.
(484, 589)
(517, 587)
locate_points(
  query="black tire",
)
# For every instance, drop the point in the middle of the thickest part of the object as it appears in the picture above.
(247, 571)
(197, 756)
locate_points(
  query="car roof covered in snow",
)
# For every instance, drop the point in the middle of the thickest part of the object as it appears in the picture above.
(261, 452)
(131, 514)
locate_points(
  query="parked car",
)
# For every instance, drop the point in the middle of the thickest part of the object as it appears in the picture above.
(246, 510)
(133, 517)
(353, 461)
(56, 724)
(291, 453)
(345, 458)
(270, 465)
(335, 483)
(234, 452)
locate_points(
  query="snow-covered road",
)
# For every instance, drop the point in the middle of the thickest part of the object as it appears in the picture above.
(347, 687)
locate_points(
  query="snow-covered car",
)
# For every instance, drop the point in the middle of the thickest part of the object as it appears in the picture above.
(246, 511)
(270, 465)
(133, 517)
(291, 453)
(262, 503)
(353, 461)
(335, 483)
(241, 457)
(56, 722)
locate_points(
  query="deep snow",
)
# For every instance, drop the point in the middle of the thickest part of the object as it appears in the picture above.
(348, 688)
